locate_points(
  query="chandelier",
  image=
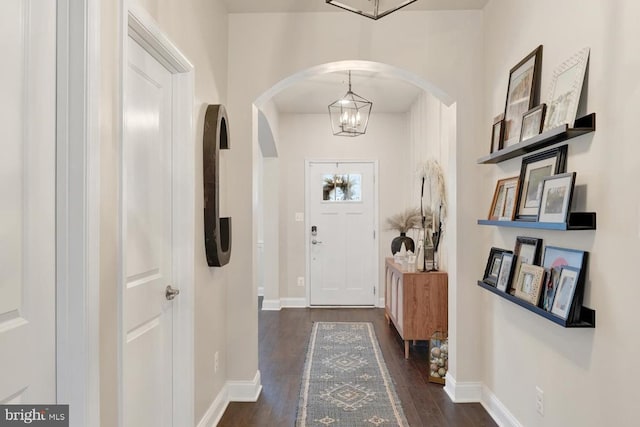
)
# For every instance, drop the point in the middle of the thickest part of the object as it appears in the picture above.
(350, 114)
(374, 9)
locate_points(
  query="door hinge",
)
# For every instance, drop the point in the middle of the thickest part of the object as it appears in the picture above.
(374, 290)
(374, 234)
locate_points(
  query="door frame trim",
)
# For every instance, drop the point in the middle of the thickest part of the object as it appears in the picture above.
(138, 23)
(78, 209)
(307, 241)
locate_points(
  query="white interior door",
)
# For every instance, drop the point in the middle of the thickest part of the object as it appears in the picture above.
(342, 246)
(27, 201)
(147, 243)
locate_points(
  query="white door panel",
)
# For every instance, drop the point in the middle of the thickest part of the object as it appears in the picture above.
(147, 364)
(342, 259)
(27, 208)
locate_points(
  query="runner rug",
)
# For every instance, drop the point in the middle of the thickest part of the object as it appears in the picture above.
(345, 381)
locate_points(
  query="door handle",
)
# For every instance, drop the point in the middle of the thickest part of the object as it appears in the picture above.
(170, 293)
(315, 242)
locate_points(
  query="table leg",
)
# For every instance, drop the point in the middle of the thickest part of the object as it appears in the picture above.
(406, 349)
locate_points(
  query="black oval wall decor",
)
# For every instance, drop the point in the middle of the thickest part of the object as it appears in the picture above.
(217, 231)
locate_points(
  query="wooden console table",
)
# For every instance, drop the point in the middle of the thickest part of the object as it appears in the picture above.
(416, 303)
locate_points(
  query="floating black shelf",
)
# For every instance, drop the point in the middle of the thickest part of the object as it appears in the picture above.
(583, 125)
(577, 221)
(587, 315)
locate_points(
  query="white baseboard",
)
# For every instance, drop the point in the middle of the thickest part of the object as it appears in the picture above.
(245, 391)
(271, 305)
(465, 392)
(293, 302)
(215, 412)
(497, 410)
(471, 391)
(261, 291)
(233, 391)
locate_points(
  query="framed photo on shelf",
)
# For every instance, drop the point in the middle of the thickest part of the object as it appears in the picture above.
(555, 201)
(565, 90)
(506, 271)
(528, 285)
(527, 251)
(523, 92)
(551, 284)
(555, 257)
(532, 122)
(494, 262)
(532, 172)
(497, 133)
(504, 199)
(567, 284)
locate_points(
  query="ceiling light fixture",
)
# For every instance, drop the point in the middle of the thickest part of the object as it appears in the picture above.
(350, 114)
(374, 9)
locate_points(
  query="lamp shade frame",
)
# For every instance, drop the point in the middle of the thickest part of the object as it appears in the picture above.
(375, 14)
(350, 115)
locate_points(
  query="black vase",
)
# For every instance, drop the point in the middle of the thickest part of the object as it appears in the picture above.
(396, 243)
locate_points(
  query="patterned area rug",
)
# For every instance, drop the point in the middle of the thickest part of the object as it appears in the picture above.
(345, 381)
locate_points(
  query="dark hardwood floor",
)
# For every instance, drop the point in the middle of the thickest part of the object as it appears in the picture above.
(283, 339)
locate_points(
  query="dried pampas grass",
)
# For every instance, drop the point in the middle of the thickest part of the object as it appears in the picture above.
(434, 194)
(404, 221)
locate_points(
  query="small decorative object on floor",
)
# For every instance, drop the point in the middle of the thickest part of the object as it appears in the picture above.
(403, 222)
(438, 357)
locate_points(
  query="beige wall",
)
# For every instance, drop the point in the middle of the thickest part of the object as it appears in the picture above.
(444, 49)
(199, 29)
(432, 137)
(588, 376)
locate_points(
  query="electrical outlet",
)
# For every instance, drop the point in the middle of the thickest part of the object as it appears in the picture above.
(216, 362)
(301, 282)
(539, 400)
(299, 216)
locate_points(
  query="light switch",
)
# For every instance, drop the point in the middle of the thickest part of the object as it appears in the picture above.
(299, 216)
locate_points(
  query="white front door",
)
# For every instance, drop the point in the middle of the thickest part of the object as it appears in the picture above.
(147, 244)
(27, 201)
(341, 228)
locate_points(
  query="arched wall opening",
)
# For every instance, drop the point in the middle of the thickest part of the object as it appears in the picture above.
(276, 278)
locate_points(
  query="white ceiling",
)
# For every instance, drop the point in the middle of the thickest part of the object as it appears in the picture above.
(389, 95)
(272, 6)
(313, 95)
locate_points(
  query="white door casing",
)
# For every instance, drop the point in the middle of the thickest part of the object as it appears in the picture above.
(27, 210)
(342, 256)
(160, 323)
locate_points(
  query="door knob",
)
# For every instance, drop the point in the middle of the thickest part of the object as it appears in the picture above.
(315, 242)
(171, 293)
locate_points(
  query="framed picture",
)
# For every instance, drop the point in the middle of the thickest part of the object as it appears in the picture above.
(523, 93)
(567, 284)
(555, 257)
(532, 122)
(527, 251)
(506, 271)
(551, 284)
(504, 196)
(497, 133)
(532, 172)
(492, 270)
(555, 202)
(565, 90)
(528, 285)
